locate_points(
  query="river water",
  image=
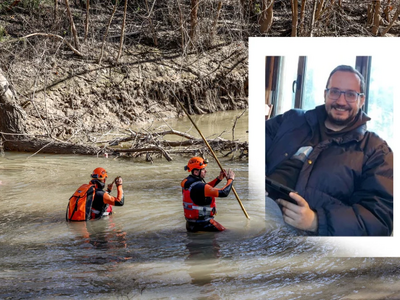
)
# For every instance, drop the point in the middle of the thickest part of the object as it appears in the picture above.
(143, 251)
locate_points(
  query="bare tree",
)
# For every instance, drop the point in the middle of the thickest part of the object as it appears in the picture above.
(12, 116)
(314, 11)
(376, 17)
(152, 28)
(181, 29)
(55, 9)
(294, 16)
(267, 15)
(73, 29)
(302, 14)
(122, 31)
(320, 6)
(387, 10)
(107, 30)
(214, 27)
(193, 20)
(87, 19)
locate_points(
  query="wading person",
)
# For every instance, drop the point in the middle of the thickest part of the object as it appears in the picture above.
(90, 201)
(199, 197)
(342, 173)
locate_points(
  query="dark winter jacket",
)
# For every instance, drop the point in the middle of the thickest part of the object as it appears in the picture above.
(347, 181)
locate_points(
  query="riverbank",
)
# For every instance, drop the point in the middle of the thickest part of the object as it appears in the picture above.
(72, 95)
(67, 90)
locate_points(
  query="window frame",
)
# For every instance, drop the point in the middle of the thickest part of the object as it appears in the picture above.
(273, 68)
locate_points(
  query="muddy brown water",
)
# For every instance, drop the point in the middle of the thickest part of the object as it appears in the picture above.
(143, 250)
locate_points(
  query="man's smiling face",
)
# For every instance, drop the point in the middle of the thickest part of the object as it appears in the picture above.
(341, 112)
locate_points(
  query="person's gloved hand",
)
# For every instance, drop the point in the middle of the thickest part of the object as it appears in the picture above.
(222, 174)
(230, 174)
(118, 180)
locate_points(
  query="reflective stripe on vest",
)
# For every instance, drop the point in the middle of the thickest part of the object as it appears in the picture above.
(95, 211)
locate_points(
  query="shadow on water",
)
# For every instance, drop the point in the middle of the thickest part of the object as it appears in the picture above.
(204, 254)
(104, 237)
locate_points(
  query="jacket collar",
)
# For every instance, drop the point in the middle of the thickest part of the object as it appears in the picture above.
(355, 134)
(99, 184)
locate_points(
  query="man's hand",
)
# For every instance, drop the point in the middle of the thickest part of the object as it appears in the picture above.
(300, 216)
(118, 180)
(222, 174)
(230, 174)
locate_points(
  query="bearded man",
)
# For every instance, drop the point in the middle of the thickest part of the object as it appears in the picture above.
(342, 173)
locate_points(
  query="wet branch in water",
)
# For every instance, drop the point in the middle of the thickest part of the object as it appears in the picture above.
(139, 143)
(132, 144)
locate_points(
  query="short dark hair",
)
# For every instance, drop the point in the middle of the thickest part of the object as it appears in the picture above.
(344, 68)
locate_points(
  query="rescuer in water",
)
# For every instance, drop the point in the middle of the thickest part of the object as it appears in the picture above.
(90, 201)
(199, 197)
(103, 201)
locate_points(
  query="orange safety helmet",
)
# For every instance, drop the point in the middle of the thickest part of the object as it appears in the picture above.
(196, 163)
(99, 173)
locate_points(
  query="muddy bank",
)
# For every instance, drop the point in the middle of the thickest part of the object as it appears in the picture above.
(64, 95)
(67, 93)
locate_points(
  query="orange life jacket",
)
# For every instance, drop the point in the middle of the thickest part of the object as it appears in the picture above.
(80, 204)
(195, 212)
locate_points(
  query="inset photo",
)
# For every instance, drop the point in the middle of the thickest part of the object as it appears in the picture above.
(329, 138)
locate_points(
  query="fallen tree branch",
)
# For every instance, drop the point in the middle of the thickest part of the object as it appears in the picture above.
(147, 150)
(142, 138)
(77, 52)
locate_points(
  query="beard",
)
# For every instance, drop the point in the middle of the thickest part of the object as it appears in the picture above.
(338, 120)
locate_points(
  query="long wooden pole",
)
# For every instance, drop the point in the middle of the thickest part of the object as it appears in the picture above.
(215, 157)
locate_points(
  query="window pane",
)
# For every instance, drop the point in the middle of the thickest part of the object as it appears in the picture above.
(380, 97)
(288, 75)
(316, 75)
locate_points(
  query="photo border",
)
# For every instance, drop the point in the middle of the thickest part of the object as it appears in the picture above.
(259, 48)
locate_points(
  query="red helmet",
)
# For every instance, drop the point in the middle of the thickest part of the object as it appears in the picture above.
(99, 173)
(196, 163)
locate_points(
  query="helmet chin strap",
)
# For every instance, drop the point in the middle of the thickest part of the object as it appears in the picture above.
(197, 176)
(195, 170)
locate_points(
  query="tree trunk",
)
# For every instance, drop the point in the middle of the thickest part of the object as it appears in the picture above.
(107, 30)
(193, 20)
(314, 11)
(12, 116)
(377, 17)
(370, 13)
(214, 27)
(87, 19)
(266, 15)
(387, 10)
(55, 9)
(319, 9)
(294, 17)
(302, 14)
(122, 31)
(152, 28)
(181, 26)
(73, 29)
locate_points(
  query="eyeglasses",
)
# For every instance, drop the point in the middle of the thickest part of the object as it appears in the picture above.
(350, 96)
